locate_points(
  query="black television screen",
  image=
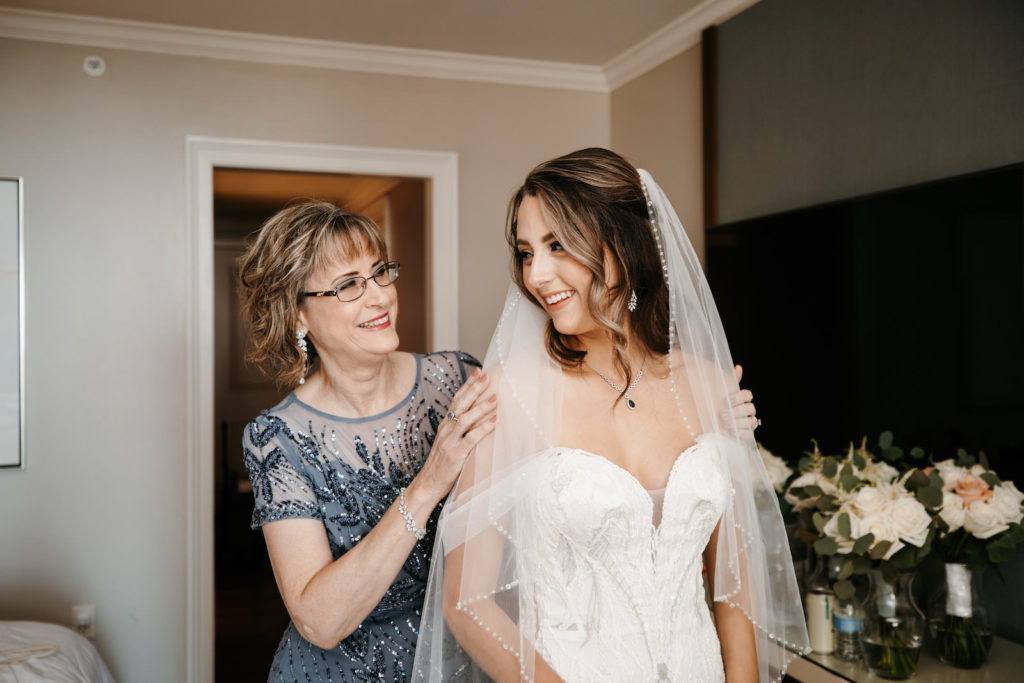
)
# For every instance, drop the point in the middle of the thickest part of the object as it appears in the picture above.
(902, 310)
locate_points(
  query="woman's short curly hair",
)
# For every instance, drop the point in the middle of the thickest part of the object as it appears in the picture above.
(293, 244)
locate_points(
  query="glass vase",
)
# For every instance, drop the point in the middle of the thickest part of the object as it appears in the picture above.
(958, 621)
(893, 629)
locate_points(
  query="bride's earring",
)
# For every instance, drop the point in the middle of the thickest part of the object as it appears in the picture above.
(632, 301)
(300, 341)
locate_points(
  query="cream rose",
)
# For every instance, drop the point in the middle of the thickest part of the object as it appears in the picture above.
(910, 520)
(809, 479)
(880, 525)
(870, 501)
(983, 521)
(952, 512)
(1006, 503)
(950, 473)
(776, 467)
(881, 473)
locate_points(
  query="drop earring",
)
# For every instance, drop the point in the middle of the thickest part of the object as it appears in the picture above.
(632, 301)
(300, 341)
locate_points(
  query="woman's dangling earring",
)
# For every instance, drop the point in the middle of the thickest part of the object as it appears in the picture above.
(300, 340)
(632, 301)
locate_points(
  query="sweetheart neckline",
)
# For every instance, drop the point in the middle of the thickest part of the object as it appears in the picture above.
(701, 440)
(675, 463)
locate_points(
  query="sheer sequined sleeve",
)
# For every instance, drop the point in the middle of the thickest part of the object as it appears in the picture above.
(280, 484)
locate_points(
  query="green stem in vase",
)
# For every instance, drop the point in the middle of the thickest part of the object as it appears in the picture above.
(890, 656)
(962, 641)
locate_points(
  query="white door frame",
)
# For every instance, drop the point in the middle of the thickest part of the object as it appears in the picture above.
(203, 154)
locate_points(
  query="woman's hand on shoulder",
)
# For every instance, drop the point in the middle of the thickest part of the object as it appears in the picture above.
(471, 417)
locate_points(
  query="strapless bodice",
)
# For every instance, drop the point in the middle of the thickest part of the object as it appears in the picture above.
(607, 595)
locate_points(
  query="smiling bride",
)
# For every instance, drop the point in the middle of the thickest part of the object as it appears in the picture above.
(575, 543)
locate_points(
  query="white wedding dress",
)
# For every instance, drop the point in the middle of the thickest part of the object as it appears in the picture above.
(611, 596)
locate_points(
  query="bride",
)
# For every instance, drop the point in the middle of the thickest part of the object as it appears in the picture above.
(578, 540)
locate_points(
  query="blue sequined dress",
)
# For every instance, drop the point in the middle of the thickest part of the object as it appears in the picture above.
(346, 473)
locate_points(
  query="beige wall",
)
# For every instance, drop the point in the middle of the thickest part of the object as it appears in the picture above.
(99, 515)
(656, 124)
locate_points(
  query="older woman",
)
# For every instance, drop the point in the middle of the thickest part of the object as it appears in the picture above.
(349, 470)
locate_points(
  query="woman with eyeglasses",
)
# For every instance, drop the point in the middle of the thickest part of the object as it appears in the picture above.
(349, 470)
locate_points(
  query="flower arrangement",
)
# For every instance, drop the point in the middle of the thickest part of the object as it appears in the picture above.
(978, 523)
(980, 518)
(860, 507)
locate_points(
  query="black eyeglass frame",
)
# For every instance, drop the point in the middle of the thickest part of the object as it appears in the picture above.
(382, 271)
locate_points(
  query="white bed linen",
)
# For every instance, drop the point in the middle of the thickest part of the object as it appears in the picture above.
(63, 656)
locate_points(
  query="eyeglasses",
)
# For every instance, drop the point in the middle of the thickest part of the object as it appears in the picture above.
(352, 288)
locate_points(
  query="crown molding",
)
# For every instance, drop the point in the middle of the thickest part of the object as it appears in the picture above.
(672, 39)
(120, 34)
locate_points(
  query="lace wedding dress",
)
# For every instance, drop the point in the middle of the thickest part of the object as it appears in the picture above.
(615, 597)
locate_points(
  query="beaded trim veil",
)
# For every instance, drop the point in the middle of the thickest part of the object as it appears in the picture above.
(478, 568)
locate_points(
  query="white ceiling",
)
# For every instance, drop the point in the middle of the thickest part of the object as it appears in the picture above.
(590, 32)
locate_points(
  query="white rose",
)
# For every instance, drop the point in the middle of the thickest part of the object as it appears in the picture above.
(809, 479)
(910, 520)
(1006, 503)
(869, 501)
(881, 473)
(950, 473)
(983, 521)
(879, 521)
(952, 512)
(776, 467)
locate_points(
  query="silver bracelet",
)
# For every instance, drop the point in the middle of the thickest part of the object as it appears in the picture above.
(410, 523)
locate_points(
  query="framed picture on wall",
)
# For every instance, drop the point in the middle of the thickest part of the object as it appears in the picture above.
(12, 325)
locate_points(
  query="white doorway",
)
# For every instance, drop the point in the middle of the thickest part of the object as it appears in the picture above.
(438, 169)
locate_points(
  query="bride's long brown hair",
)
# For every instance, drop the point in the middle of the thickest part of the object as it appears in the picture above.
(595, 201)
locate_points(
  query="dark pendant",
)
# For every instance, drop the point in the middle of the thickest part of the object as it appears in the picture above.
(630, 403)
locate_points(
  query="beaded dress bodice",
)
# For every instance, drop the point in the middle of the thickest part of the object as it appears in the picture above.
(611, 596)
(346, 473)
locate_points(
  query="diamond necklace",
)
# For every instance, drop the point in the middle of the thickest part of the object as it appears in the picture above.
(630, 403)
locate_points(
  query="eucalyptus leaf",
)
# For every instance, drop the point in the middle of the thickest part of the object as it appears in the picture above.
(828, 503)
(825, 546)
(983, 459)
(889, 572)
(885, 439)
(846, 571)
(862, 544)
(819, 522)
(880, 549)
(843, 524)
(917, 479)
(844, 590)
(847, 470)
(805, 464)
(848, 482)
(917, 453)
(861, 564)
(930, 496)
(829, 466)
(991, 479)
(905, 558)
(859, 462)
(811, 491)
